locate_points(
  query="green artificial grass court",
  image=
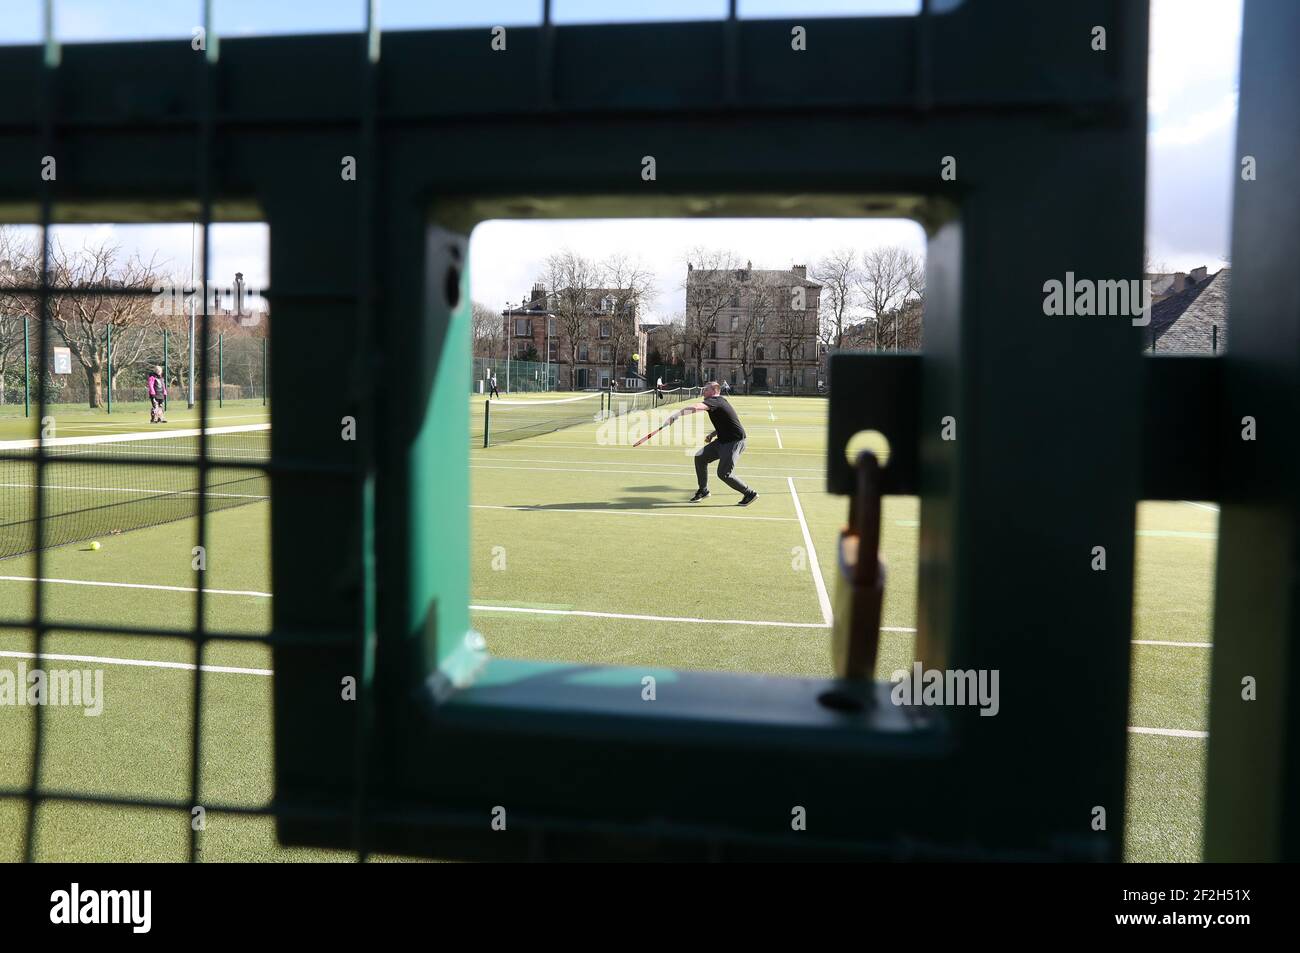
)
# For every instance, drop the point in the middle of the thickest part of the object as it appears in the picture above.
(76, 420)
(562, 523)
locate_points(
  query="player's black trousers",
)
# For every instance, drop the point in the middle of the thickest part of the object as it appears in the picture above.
(725, 454)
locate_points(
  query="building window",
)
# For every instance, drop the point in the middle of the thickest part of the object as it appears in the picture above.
(735, 321)
(582, 353)
(605, 329)
(550, 326)
(606, 354)
(735, 301)
(758, 353)
(523, 328)
(759, 324)
(713, 349)
(554, 350)
(607, 304)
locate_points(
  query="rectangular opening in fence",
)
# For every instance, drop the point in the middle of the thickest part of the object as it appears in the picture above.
(596, 346)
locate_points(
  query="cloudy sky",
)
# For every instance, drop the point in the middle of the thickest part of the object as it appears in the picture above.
(1190, 169)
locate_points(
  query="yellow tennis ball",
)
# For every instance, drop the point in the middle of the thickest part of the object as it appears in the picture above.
(636, 357)
(95, 545)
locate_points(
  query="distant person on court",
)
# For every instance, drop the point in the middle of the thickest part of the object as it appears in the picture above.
(726, 388)
(659, 390)
(157, 396)
(492, 385)
(725, 444)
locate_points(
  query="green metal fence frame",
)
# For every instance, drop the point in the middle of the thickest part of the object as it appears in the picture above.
(1049, 139)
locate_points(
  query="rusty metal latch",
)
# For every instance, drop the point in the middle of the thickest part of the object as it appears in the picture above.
(860, 581)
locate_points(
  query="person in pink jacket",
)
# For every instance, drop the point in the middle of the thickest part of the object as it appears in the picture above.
(157, 394)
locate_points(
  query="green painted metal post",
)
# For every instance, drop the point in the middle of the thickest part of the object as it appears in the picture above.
(108, 350)
(27, 370)
(263, 372)
(221, 369)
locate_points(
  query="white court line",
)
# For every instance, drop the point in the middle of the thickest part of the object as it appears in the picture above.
(265, 672)
(1170, 732)
(817, 576)
(685, 514)
(141, 663)
(648, 618)
(138, 585)
(1180, 645)
(778, 441)
(1201, 506)
(812, 556)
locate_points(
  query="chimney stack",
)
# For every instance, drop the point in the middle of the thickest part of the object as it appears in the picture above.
(800, 270)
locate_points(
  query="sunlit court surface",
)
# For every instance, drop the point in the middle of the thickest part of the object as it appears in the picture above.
(589, 552)
(585, 550)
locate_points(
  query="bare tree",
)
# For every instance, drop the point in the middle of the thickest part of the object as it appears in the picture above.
(793, 330)
(18, 267)
(841, 278)
(764, 296)
(487, 329)
(83, 321)
(883, 284)
(712, 284)
(912, 313)
(569, 281)
(631, 287)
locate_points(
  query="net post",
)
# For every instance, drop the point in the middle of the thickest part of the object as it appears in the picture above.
(189, 400)
(108, 349)
(27, 370)
(166, 369)
(263, 372)
(487, 413)
(221, 369)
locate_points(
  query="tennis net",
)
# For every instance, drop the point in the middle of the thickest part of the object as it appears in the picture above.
(629, 403)
(507, 420)
(110, 484)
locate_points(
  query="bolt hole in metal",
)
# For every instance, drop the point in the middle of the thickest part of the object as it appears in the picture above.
(872, 440)
(841, 701)
(452, 289)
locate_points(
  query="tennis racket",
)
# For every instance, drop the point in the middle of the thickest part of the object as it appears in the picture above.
(648, 436)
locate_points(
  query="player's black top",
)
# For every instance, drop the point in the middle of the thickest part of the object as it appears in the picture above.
(723, 417)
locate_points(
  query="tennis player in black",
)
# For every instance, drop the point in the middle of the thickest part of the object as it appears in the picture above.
(725, 444)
